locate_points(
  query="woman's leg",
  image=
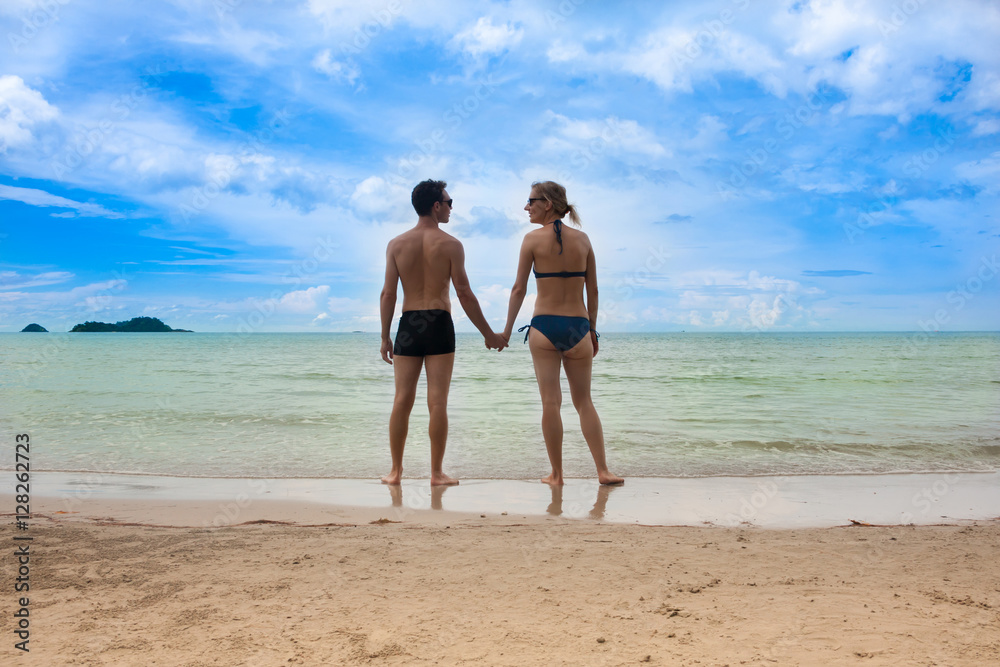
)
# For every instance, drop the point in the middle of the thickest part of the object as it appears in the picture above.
(579, 363)
(547, 360)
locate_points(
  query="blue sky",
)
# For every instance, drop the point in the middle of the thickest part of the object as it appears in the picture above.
(739, 166)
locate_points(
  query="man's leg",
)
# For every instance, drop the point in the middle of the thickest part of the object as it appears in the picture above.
(439, 367)
(406, 371)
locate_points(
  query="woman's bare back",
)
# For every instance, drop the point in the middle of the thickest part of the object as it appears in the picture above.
(560, 296)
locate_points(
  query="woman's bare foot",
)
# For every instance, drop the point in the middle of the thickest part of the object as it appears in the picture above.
(554, 479)
(393, 477)
(441, 479)
(608, 478)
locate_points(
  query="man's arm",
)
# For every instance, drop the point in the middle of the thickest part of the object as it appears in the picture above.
(470, 304)
(520, 288)
(387, 302)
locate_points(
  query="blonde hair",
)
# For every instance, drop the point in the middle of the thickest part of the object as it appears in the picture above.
(552, 192)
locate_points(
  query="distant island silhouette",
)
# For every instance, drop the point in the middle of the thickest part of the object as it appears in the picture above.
(134, 325)
(34, 328)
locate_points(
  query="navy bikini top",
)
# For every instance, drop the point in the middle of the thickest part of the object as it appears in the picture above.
(562, 274)
(557, 226)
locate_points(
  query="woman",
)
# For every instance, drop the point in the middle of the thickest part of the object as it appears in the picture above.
(562, 331)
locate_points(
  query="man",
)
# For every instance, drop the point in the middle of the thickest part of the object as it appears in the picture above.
(425, 259)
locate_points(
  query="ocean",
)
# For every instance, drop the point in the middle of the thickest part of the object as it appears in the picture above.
(672, 404)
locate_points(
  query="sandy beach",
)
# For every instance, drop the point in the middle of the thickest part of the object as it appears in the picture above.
(350, 585)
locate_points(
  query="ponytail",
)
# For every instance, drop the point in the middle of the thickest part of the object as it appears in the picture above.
(556, 194)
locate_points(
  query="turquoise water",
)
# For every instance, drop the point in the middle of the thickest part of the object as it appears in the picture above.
(687, 405)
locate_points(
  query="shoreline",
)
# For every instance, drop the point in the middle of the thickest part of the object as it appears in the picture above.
(801, 501)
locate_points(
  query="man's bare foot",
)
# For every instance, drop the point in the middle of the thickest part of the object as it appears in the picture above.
(393, 477)
(554, 479)
(441, 479)
(608, 478)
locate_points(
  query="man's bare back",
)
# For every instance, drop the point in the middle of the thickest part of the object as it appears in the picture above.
(424, 258)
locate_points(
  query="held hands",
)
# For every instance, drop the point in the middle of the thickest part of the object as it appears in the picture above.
(593, 339)
(495, 341)
(387, 351)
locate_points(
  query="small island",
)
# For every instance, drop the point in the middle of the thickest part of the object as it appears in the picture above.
(134, 325)
(34, 328)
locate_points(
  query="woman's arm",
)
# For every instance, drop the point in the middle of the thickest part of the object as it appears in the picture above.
(591, 283)
(520, 288)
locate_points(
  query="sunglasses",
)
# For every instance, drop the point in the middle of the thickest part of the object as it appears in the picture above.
(531, 199)
(448, 202)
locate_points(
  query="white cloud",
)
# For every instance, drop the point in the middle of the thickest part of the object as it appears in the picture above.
(984, 172)
(303, 301)
(720, 317)
(250, 45)
(95, 296)
(562, 52)
(367, 17)
(335, 69)
(824, 180)
(297, 302)
(17, 8)
(99, 290)
(375, 196)
(753, 280)
(823, 27)
(21, 109)
(900, 71)
(35, 197)
(486, 39)
(710, 133)
(986, 127)
(734, 300)
(13, 280)
(673, 57)
(661, 58)
(894, 60)
(766, 313)
(611, 135)
(339, 304)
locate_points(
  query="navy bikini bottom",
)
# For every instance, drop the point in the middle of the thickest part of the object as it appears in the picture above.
(562, 331)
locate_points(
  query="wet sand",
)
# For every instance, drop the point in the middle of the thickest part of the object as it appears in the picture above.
(806, 501)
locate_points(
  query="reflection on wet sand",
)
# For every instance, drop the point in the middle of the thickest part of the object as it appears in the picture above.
(603, 491)
(396, 493)
(437, 492)
(555, 507)
(417, 496)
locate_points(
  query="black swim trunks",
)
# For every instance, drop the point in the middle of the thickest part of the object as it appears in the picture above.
(423, 333)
